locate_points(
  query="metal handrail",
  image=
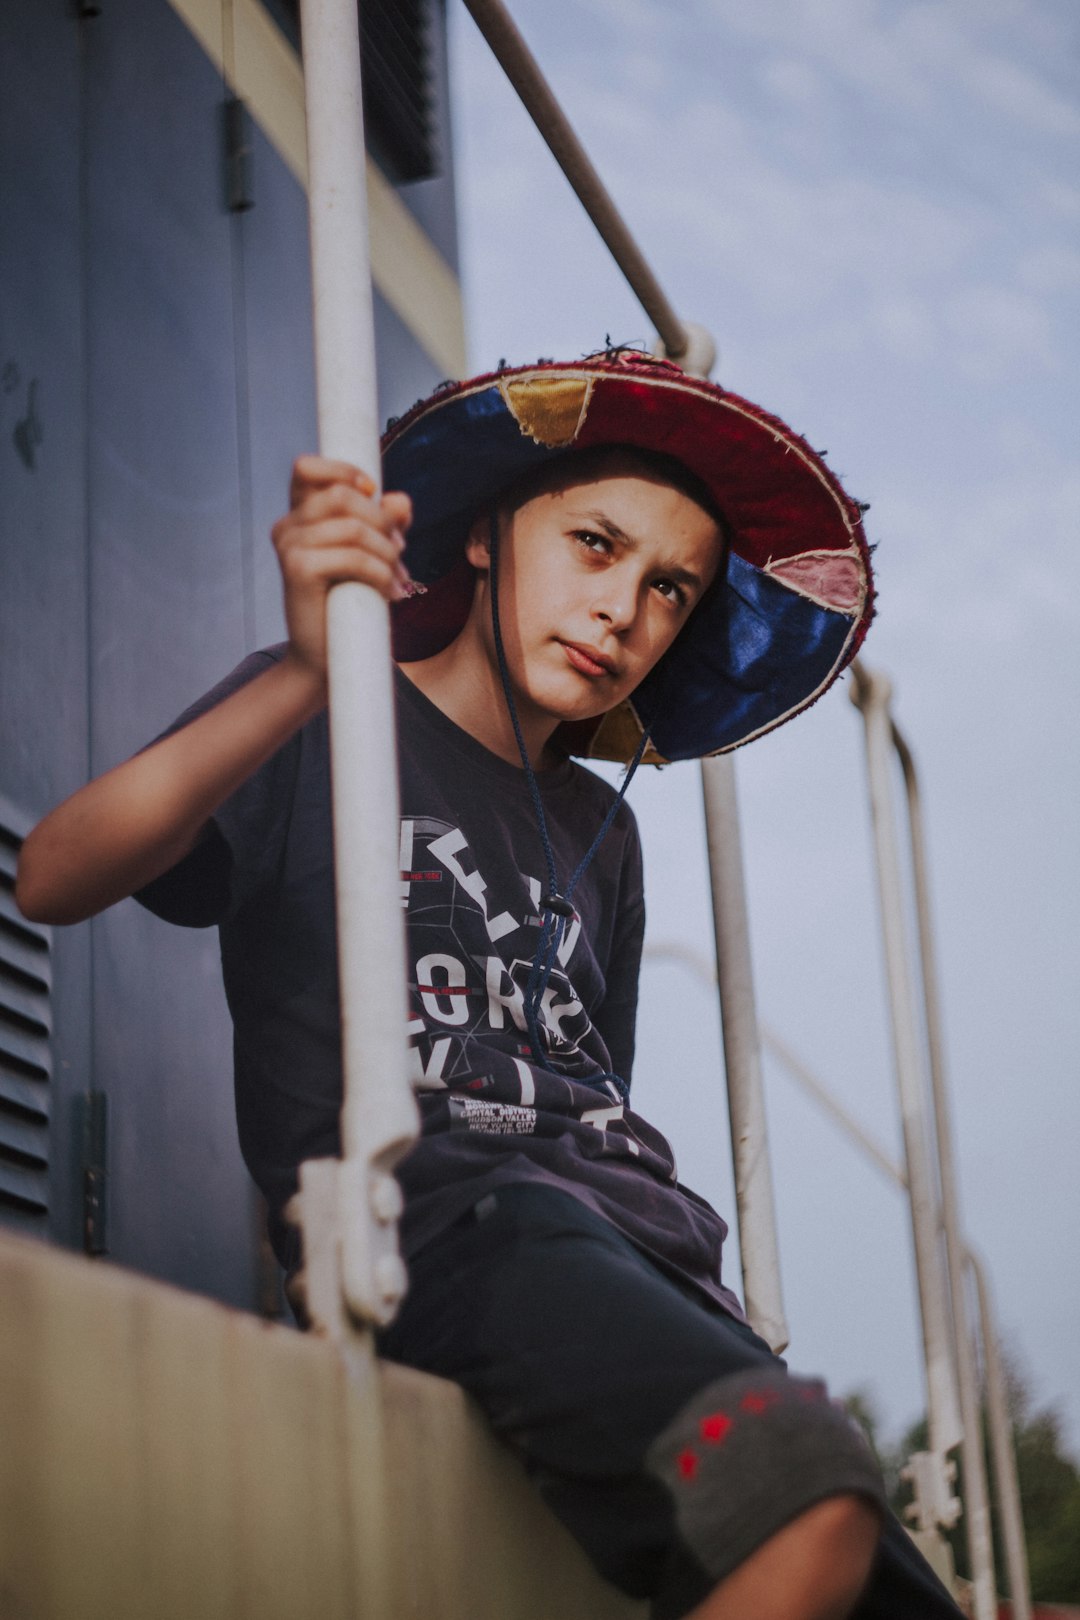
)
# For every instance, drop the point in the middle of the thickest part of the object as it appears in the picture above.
(1003, 1450)
(690, 345)
(977, 1523)
(871, 694)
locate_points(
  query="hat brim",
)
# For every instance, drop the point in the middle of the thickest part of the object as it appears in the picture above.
(797, 597)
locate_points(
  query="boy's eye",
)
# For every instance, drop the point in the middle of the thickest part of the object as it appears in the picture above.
(670, 591)
(591, 541)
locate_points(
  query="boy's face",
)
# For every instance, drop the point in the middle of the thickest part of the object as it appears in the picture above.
(596, 579)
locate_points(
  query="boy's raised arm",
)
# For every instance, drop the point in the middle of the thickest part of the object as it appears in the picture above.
(121, 831)
(130, 825)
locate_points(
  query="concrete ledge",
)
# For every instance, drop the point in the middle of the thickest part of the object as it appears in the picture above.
(161, 1455)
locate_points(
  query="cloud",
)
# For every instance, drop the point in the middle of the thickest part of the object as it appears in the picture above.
(906, 327)
(994, 562)
(630, 18)
(917, 56)
(1060, 197)
(788, 237)
(1020, 95)
(1051, 269)
(996, 330)
(791, 79)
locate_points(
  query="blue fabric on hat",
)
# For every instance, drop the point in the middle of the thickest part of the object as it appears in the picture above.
(439, 465)
(732, 679)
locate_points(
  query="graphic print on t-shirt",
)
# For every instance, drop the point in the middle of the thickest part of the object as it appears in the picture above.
(468, 1002)
(473, 924)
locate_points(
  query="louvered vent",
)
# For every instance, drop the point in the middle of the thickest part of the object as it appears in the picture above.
(397, 74)
(25, 1057)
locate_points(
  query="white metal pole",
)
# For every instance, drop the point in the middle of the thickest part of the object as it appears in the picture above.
(871, 693)
(1003, 1452)
(754, 1199)
(379, 1117)
(978, 1528)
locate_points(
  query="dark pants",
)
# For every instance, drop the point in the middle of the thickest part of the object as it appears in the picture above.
(664, 1434)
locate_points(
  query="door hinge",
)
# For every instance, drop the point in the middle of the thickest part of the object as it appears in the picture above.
(95, 1174)
(239, 157)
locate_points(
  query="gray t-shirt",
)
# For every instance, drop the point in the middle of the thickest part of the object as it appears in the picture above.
(472, 872)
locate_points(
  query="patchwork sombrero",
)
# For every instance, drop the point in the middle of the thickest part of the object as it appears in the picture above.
(761, 646)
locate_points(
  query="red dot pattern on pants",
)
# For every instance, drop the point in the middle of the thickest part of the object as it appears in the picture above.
(714, 1428)
(757, 1402)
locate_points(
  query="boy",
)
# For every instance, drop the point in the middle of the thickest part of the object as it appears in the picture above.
(613, 559)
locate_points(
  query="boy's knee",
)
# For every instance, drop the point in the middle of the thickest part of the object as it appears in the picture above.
(813, 1568)
(758, 1454)
(843, 1530)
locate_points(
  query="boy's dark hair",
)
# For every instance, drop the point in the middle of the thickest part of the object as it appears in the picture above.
(596, 461)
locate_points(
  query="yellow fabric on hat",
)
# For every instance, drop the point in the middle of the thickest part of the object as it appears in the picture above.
(549, 409)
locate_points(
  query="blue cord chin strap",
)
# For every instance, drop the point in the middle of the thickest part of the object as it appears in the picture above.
(556, 907)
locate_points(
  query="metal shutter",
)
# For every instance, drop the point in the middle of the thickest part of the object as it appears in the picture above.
(25, 1054)
(397, 74)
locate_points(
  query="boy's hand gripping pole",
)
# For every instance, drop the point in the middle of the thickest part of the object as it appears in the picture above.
(379, 1116)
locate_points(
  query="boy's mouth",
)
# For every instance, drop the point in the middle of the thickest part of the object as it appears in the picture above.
(587, 661)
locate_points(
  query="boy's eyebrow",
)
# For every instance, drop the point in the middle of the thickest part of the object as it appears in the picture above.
(681, 575)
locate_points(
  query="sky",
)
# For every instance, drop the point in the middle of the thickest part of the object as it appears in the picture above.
(874, 207)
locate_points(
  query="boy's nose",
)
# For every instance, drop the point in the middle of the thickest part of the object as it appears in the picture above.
(617, 605)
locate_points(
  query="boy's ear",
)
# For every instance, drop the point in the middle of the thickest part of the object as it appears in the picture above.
(478, 542)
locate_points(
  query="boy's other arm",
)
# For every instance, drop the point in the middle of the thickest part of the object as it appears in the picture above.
(135, 822)
(118, 833)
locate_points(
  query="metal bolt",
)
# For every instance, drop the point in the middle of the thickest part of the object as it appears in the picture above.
(387, 1201)
(391, 1278)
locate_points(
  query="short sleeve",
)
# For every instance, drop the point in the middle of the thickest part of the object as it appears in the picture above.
(244, 838)
(616, 1017)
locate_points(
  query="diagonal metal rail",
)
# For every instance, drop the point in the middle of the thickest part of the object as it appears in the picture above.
(689, 345)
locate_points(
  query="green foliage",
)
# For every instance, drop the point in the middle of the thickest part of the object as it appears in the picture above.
(1050, 1497)
(1049, 1491)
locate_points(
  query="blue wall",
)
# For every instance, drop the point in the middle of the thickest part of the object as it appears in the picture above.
(155, 385)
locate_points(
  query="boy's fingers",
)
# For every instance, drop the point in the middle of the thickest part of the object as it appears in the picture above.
(313, 472)
(337, 529)
(337, 564)
(398, 508)
(337, 500)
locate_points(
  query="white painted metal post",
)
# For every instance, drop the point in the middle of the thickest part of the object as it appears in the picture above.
(754, 1197)
(1002, 1450)
(379, 1117)
(871, 694)
(977, 1526)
